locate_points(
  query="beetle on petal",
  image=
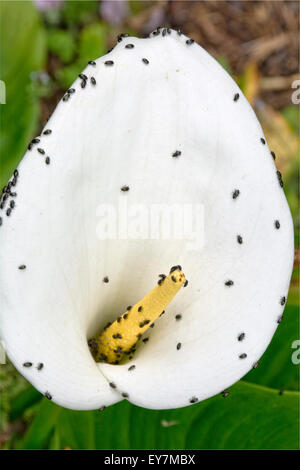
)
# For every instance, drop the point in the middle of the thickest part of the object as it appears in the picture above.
(121, 133)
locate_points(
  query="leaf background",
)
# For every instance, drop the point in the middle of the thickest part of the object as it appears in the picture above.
(22, 51)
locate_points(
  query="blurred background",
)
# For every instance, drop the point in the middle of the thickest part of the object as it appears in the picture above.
(44, 45)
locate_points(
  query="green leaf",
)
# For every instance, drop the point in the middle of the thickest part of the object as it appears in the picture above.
(24, 400)
(55, 441)
(66, 75)
(252, 417)
(61, 43)
(292, 115)
(22, 50)
(276, 368)
(40, 431)
(76, 13)
(12, 385)
(76, 429)
(92, 42)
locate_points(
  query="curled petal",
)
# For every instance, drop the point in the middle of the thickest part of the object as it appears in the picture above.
(165, 121)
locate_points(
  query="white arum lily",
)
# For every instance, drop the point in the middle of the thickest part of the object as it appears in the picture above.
(161, 119)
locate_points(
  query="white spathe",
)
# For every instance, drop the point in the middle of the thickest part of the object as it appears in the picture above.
(123, 131)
